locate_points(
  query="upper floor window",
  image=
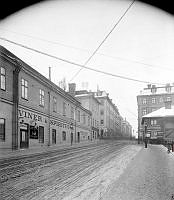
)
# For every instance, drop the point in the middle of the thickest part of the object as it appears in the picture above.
(153, 122)
(84, 118)
(78, 116)
(64, 108)
(168, 99)
(144, 101)
(144, 111)
(24, 86)
(101, 112)
(54, 104)
(3, 78)
(161, 100)
(88, 120)
(168, 89)
(41, 95)
(2, 129)
(153, 100)
(102, 121)
(72, 112)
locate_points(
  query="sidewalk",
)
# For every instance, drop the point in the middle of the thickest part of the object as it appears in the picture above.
(9, 153)
(149, 176)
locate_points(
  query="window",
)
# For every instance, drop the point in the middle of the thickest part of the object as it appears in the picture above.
(63, 135)
(168, 89)
(88, 120)
(101, 112)
(53, 136)
(24, 86)
(54, 104)
(41, 134)
(42, 94)
(161, 100)
(3, 79)
(153, 122)
(144, 101)
(64, 108)
(168, 99)
(144, 111)
(102, 121)
(84, 118)
(2, 129)
(153, 100)
(72, 112)
(78, 116)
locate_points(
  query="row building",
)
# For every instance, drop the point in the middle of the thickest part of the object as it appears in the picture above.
(151, 99)
(35, 112)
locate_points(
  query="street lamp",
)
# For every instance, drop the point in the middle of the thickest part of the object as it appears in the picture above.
(145, 134)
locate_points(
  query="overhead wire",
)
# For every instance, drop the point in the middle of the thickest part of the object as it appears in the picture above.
(105, 38)
(86, 50)
(79, 65)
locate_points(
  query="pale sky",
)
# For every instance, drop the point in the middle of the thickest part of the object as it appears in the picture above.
(140, 47)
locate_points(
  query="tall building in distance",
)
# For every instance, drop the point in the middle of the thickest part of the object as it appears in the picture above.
(150, 99)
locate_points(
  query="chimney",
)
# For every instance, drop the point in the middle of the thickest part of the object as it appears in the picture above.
(149, 86)
(168, 104)
(72, 89)
(50, 73)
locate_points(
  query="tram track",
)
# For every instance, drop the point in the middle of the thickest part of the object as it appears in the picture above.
(64, 173)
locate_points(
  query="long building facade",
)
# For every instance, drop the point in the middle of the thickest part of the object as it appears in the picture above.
(151, 99)
(34, 111)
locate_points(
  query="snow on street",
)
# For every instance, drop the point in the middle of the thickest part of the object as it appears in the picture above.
(84, 173)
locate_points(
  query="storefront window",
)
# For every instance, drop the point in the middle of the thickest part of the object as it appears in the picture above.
(33, 132)
(53, 136)
(41, 134)
(63, 135)
(2, 129)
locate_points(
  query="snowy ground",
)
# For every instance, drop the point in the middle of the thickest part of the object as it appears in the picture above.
(97, 183)
(85, 174)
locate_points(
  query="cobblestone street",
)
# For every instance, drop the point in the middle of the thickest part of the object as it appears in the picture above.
(150, 176)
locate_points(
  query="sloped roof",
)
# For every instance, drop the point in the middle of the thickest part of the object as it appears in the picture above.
(162, 112)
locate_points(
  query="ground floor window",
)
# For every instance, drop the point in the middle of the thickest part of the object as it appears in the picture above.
(41, 134)
(53, 136)
(63, 135)
(2, 129)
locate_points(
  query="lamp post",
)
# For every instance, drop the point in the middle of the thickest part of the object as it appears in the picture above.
(145, 134)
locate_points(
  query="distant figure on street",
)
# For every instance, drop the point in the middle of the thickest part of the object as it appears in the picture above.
(168, 148)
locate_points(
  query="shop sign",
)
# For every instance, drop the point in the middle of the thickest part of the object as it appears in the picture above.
(30, 115)
(59, 124)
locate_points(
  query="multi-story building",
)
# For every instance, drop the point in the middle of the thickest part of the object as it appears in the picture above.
(159, 125)
(151, 99)
(110, 121)
(126, 129)
(91, 103)
(34, 111)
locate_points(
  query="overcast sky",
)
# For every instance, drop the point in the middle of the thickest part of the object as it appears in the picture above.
(140, 47)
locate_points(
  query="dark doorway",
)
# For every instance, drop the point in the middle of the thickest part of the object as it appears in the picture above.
(71, 138)
(24, 137)
(53, 136)
(78, 136)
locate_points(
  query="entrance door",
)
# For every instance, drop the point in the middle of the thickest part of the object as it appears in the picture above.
(53, 136)
(24, 140)
(78, 136)
(71, 138)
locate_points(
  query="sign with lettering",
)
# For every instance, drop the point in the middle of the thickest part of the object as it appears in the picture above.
(30, 115)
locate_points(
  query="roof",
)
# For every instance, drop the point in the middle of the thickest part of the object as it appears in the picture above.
(162, 112)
